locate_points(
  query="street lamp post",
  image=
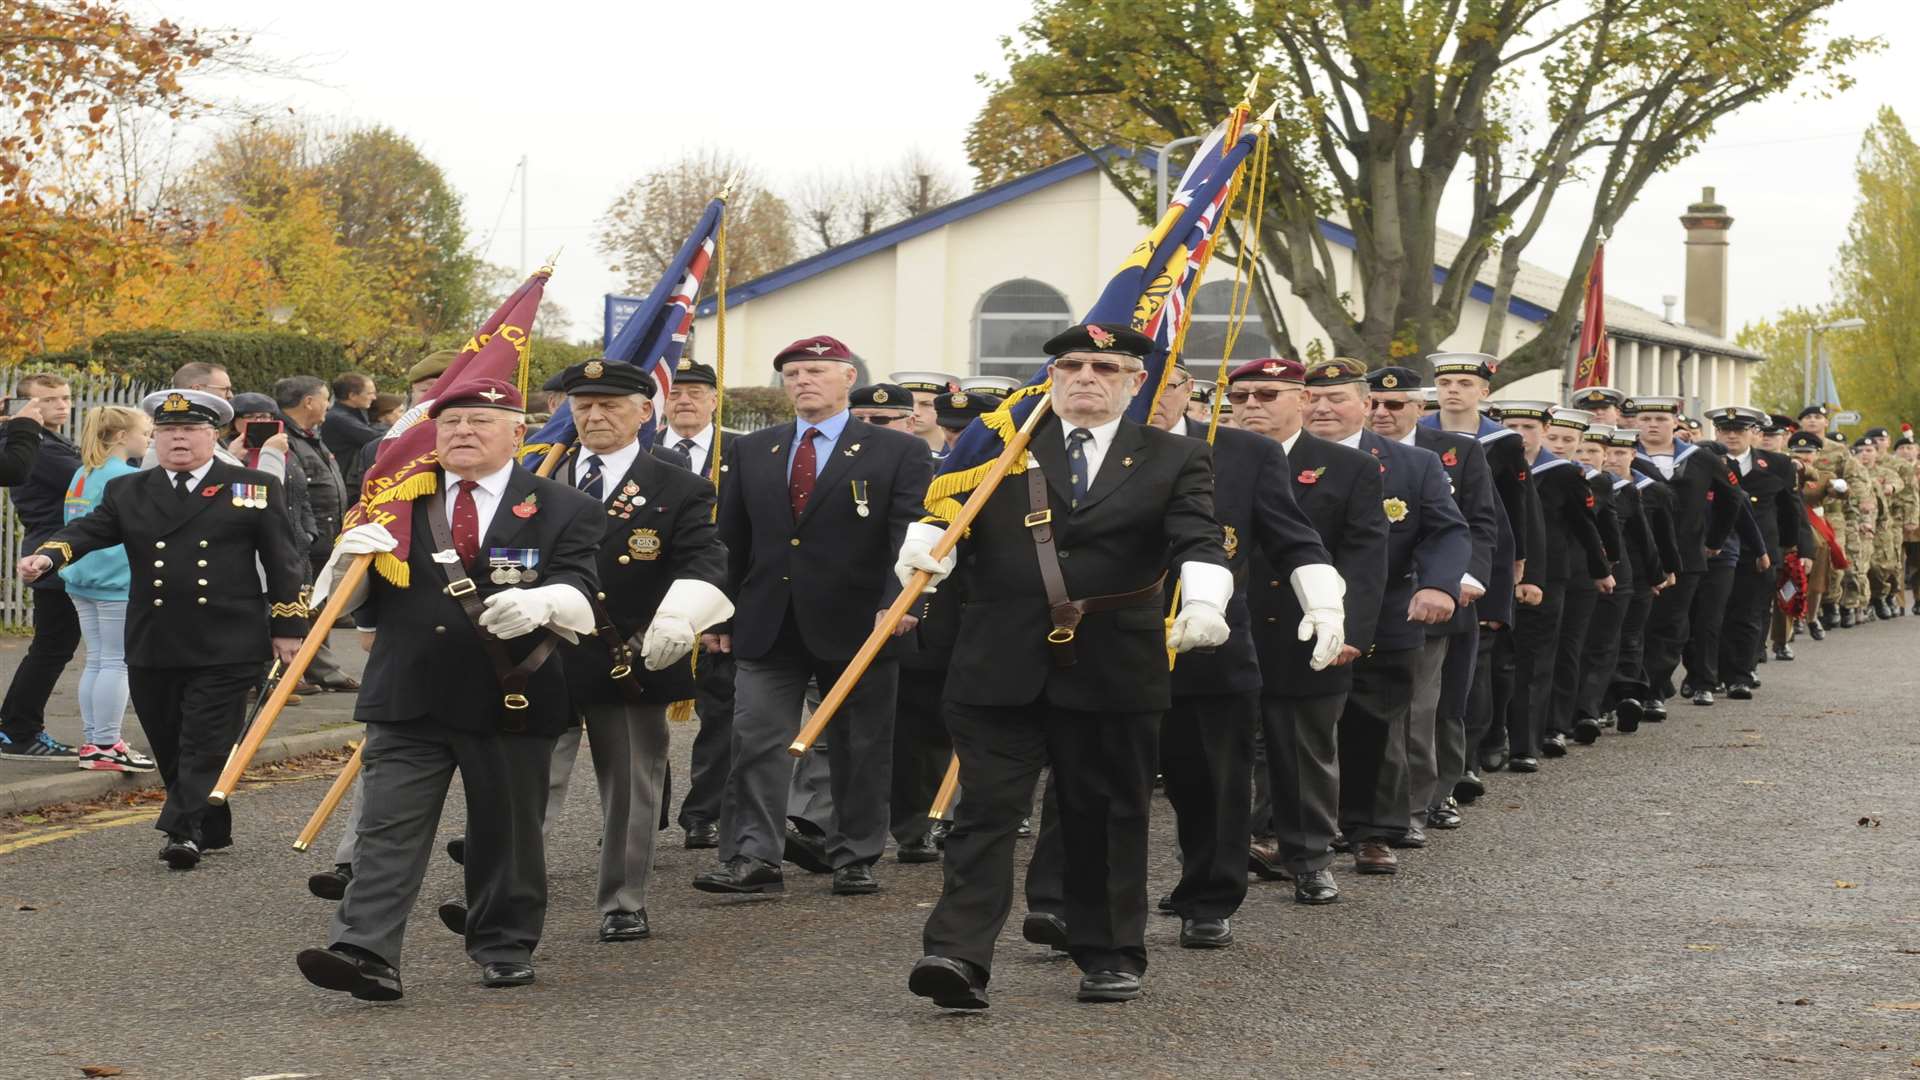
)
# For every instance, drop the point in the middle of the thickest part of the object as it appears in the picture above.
(1806, 363)
(1160, 172)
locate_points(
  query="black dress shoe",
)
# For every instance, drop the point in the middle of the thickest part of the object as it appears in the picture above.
(1524, 764)
(1025, 831)
(505, 973)
(949, 983)
(1762, 658)
(331, 884)
(1165, 905)
(625, 926)
(453, 916)
(350, 970)
(1740, 692)
(1469, 787)
(180, 853)
(457, 850)
(854, 880)
(1315, 888)
(1414, 837)
(918, 850)
(1627, 714)
(1654, 712)
(1817, 629)
(1044, 929)
(1703, 697)
(938, 834)
(1205, 934)
(1109, 986)
(807, 852)
(1846, 618)
(1882, 609)
(742, 874)
(1340, 843)
(1586, 731)
(1443, 817)
(702, 835)
(1554, 745)
(1495, 761)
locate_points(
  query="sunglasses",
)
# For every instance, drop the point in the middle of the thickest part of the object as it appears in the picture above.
(883, 421)
(1390, 406)
(1100, 367)
(1262, 395)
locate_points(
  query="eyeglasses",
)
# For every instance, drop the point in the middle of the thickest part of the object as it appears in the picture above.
(1262, 395)
(477, 424)
(1066, 366)
(1390, 406)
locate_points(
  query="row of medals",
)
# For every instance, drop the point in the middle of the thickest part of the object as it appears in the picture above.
(512, 575)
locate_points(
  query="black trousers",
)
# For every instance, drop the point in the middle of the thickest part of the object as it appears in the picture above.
(1453, 746)
(713, 744)
(1206, 758)
(1536, 630)
(1702, 651)
(921, 750)
(1667, 627)
(1600, 656)
(1743, 633)
(1103, 766)
(1492, 693)
(1576, 621)
(56, 634)
(1373, 744)
(408, 769)
(192, 718)
(1630, 664)
(1302, 808)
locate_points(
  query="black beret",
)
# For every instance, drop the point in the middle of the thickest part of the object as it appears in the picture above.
(1393, 378)
(609, 377)
(881, 396)
(958, 409)
(692, 373)
(1805, 440)
(1875, 433)
(1813, 410)
(1100, 338)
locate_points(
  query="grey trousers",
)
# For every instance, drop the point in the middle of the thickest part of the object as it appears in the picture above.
(629, 747)
(1421, 750)
(768, 694)
(1303, 769)
(408, 770)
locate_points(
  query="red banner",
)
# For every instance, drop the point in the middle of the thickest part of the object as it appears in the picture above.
(1595, 366)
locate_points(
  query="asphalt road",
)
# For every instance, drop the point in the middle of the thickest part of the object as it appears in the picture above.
(1700, 899)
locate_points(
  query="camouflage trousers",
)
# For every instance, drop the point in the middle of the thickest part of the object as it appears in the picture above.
(1887, 565)
(1856, 583)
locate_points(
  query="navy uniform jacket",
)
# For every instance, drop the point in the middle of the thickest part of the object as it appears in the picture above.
(1706, 501)
(1150, 507)
(1656, 502)
(1571, 530)
(1606, 514)
(1507, 462)
(1427, 548)
(659, 528)
(833, 569)
(1471, 482)
(428, 663)
(1772, 489)
(1253, 501)
(1339, 489)
(195, 598)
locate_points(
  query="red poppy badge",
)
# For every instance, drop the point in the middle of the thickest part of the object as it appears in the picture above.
(526, 507)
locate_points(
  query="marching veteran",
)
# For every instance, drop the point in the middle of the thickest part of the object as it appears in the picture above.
(500, 566)
(1061, 659)
(199, 628)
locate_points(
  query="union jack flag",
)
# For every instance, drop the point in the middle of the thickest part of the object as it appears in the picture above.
(656, 336)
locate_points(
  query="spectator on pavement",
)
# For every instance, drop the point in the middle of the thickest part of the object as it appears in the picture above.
(112, 439)
(303, 401)
(420, 379)
(38, 503)
(386, 409)
(347, 425)
(208, 378)
(19, 442)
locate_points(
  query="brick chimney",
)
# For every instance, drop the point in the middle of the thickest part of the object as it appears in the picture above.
(1707, 223)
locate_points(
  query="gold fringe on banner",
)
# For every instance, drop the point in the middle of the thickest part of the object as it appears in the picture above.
(943, 495)
(680, 711)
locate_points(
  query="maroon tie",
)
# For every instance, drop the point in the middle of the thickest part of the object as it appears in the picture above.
(800, 483)
(466, 523)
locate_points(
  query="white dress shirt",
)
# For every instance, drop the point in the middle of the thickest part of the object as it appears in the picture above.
(193, 478)
(697, 453)
(1745, 460)
(486, 497)
(613, 466)
(1095, 450)
(1287, 443)
(1352, 440)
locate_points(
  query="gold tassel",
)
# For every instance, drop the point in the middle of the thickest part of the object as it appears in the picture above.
(680, 711)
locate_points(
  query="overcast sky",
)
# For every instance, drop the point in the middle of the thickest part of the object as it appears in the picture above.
(596, 94)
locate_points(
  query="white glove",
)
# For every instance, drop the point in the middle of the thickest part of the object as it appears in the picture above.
(513, 613)
(368, 539)
(1838, 485)
(916, 553)
(1322, 594)
(689, 607)
(1205, 590)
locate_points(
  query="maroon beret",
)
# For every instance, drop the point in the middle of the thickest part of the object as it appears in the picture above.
(820, 347)
(1271, 369)
(479, 394)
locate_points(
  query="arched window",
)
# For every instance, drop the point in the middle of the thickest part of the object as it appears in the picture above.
(1207, 334)
(1016, 318)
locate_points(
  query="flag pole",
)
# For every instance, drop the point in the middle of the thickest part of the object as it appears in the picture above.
(949, 787)
(332, 800)
(976, 502)
(242, 755)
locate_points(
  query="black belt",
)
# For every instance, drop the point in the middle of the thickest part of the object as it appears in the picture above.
(512, 677)
(1065, 612)
(621, 653)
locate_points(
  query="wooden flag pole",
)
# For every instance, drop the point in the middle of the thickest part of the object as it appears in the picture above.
(555, 455)
(949, 787)
(242, 755)
(332, 800)
(976, 502)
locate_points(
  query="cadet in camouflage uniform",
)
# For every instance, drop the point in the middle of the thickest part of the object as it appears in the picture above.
(1830, 463)
(1907, 452)
(1863, 518)
(1898, 510)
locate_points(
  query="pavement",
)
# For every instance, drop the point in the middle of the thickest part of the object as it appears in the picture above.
(1731, 894)
(319, 722)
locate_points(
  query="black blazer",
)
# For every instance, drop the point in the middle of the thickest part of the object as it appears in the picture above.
(833, 569)
(1571, 529)
(427, 662)
(1706, 501)
(1150, 507)
(1428, 548)
(1656, 501)
(1773, 492)
(1253, 501)
(659, 529)
(1339, 489)
(1471, 482)
(195, 598)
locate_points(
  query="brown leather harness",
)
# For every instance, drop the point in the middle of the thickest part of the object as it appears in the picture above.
(1065, 612)
(512, 677)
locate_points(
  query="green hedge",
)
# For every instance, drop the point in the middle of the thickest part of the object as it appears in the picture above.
(254, 360)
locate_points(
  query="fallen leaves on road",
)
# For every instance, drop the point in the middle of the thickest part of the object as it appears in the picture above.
(1868, 822)
(1901, 1006)
(1846, 885)
(1703, 948)
(100, 1070)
